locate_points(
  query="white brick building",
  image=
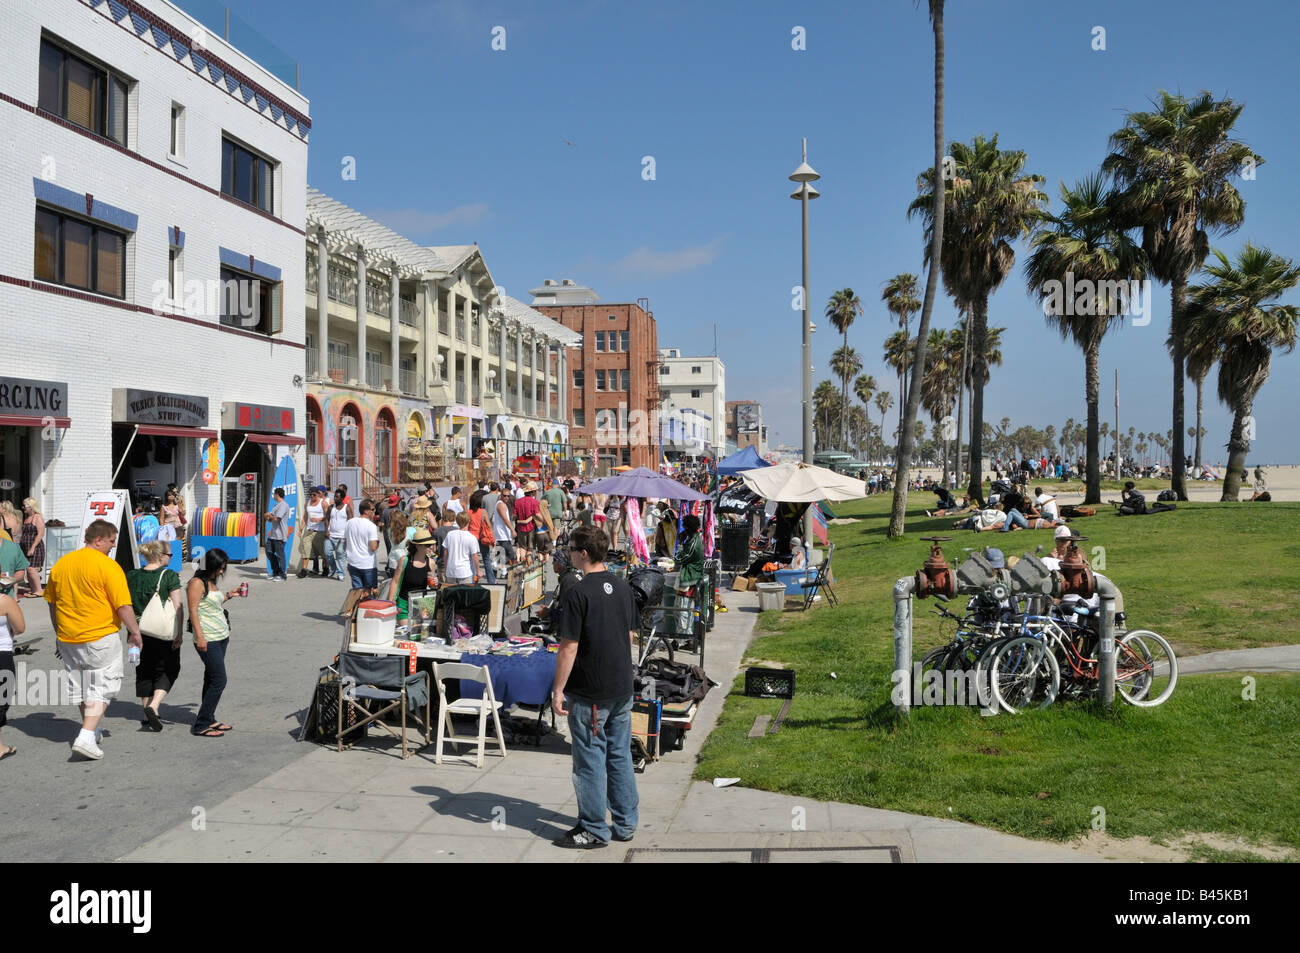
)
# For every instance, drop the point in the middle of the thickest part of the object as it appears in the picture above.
(693, 391)
(144, 162)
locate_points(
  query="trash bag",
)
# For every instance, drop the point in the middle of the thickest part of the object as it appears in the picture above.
(647, 584)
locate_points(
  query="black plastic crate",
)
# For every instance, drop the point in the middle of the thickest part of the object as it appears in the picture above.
(769, 682)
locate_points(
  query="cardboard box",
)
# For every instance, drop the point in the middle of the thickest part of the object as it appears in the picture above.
(742, 584)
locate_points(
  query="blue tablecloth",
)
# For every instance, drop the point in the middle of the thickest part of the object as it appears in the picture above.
(515, 678)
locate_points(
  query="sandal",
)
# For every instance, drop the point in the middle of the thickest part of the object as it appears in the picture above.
(9, 751)
(222, 727)
(152, 720)
(209, 733)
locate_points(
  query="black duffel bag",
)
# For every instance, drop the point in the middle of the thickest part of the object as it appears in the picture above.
(647, 584)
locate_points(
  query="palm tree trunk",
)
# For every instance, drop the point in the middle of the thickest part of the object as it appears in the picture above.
(904, 459)
(844, 394)
(961, 398)
(1238, 447)
(979, 363)
(1199, 391)
(1092, 385)
(1178, 306)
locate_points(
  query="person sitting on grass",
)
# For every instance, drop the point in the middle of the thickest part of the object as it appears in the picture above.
(984, 520)
(966, 506)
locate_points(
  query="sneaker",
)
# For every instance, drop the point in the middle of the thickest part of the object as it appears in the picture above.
(624, 840)
(579, 839)
(88, 750)
(302, 574)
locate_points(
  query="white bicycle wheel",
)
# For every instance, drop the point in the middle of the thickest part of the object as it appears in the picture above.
(1025, 674)
(1146, 669)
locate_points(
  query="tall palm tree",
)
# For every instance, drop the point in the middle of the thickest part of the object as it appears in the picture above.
(1085, 242)
(845, 364)
(899, 295)
(884, 400)
(826, 409)
(1229, 318)
(841, 309)
(939, 385)
(864, 388)
(1175, 164)
(898, 350)
(1197, 366)
(994, 202)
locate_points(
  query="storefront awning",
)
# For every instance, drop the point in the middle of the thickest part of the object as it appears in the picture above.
(286, 440)
(18, 420)
(162, 430)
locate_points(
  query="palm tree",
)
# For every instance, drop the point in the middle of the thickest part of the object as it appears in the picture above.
(864, 388)
(1229, 319)
(845, 363)
(884, 400)
(1085, 243)
(1198, 366)
(993, 203)
(899, 295)
(898, 350)
(826, 408)
(841, 309)
(1174, 164)
(940, 383)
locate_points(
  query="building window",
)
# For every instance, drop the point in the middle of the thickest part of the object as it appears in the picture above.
(600, 341)
(625, 380)
(613, 317)
(247, 176)
(174, 273)
(627, 456)
(695, 369)
(579, 418)
(579, 379)
(663, 370)
(695, 392)
(91, 96)
(384, 429)
(250, 302)
(80, 255)
(600, 379)
(624, 340)
(178, 132)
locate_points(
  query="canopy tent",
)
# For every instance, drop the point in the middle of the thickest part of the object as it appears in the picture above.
(645, 483)
(802, 483)
(746, 458)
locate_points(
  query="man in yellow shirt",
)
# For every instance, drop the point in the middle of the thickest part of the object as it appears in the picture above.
(89, 602)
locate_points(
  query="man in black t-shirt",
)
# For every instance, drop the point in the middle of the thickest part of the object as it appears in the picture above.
(593, 676)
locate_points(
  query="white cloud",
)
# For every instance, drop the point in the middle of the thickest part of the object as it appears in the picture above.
(413, 222)
(649, 262)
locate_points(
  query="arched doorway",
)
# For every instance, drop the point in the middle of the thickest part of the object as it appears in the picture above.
(385, 445)
(351, 436)
(315, 434)
(415, 426)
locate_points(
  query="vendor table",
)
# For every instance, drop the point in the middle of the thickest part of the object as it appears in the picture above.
(515, 678)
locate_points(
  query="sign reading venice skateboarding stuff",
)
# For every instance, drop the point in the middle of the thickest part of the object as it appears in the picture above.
(286, 478)
(134, 406)
(112, 506)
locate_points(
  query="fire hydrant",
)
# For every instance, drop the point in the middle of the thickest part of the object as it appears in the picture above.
(935, 577)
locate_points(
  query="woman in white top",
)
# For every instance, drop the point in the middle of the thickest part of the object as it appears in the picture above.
(337, 518)
(502, 528)
(312, 545)
(11, 624)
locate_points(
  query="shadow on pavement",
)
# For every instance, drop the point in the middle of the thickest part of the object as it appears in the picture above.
(499, 810)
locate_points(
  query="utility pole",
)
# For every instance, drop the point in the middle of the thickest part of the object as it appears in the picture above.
(1118, 468)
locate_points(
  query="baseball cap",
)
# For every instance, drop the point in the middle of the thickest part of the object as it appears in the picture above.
(321, 488)
(1064, 532)
(995, 558)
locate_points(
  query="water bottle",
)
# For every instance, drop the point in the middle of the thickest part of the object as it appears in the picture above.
(133, 654)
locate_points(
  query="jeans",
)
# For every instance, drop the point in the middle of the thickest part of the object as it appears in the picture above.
(275, 567)
(486, 552)
(1014, 517)
(336, 556)
(600, 735)
(363, 578)
(508, 547)
(214, 683)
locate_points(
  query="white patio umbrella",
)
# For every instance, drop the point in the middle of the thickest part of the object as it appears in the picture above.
(802, 483)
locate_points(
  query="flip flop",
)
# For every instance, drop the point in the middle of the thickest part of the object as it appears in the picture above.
(209, 733)
(152, 719)
(10, 752)
(223, 728)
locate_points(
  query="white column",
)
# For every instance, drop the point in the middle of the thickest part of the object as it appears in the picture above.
(451, 349)
(322, 306)
(519, 368)
(361, 317)
(532, 373)
(564, 383)
(394, 323)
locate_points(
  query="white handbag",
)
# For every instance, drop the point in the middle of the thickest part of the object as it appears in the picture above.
(161, 619)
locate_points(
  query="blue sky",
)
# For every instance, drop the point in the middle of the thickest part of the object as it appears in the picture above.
(456, 142)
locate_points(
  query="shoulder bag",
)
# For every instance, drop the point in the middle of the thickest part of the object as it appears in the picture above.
(160, 619)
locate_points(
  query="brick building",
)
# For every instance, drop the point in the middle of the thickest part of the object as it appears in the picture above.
(151, 267)
(745, 426)
(613, 376)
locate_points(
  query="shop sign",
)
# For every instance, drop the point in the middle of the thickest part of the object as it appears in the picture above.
(213, 457)
(258, 418)
(113, 506)
(32, 398)
(134, 406)
(7, 485)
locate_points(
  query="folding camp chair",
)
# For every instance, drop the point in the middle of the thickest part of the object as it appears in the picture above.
(820, 582)
(364, 679)
(680, 619)
(466, 706)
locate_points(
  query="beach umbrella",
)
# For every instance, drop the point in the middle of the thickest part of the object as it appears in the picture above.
(802, 483)
(643, 482)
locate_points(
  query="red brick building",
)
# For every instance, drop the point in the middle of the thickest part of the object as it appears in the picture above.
(613, 377)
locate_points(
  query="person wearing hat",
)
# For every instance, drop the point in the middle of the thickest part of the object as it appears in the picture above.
(1064, 537)
(527, 514)
(413, 571)
(568, 577)
(311, 544)
(420, 511)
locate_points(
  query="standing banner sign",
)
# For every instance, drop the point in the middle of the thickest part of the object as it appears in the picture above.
(112, 506)
(213, 459)
(286, 478)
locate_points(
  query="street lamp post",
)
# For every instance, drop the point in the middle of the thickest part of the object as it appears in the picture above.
(804, 175)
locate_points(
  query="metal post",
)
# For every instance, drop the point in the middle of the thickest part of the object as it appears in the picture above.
(1118, 468)
(902, 680)
(807, 353)
(1106, 652)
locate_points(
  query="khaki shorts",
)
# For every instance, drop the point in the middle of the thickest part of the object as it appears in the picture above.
(94, 669)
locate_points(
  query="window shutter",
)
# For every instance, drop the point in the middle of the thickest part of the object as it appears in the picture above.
(275, 323)
(117, 112)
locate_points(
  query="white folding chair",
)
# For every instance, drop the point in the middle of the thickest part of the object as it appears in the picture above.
(466, 706)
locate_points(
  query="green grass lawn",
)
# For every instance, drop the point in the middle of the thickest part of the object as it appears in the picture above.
(1208, 576)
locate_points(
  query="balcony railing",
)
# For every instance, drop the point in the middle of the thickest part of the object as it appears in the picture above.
(410, 382)
(377, 374)
(312, 355)
(460, 327)
(478, 396)
(494, 342)
(313, 271)
(460, 392)
(411, 313)
(443, 327)
(475, 334)
(342, 284)
(342, 367)
(379, 295)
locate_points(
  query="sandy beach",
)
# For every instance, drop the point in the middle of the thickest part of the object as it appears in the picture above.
(1283, 485)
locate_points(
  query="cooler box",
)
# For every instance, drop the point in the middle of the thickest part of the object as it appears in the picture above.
(771, 596)
(793, 580)
(238, 549)
(376, 622)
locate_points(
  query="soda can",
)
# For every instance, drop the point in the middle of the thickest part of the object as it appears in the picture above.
(243, 590)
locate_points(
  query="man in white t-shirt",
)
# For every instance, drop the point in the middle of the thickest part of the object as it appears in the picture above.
(1047, 504)
(361, 540)
(311, 544)
(456, 504)
(460, 554)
